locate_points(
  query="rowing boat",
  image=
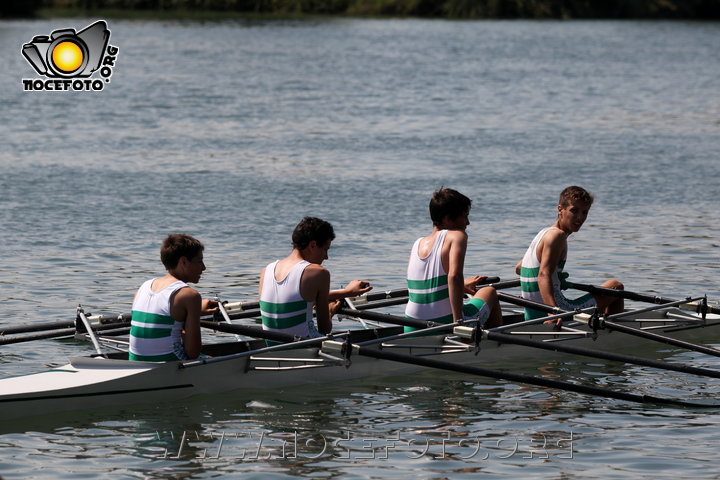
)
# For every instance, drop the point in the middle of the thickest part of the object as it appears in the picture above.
(250, 364)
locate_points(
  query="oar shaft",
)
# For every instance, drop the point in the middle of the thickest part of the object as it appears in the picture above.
(587, 352)
(552, 346)
(403, 292)
(40, 327)
(248, 331)
(618, 327)
(629, 295)
(65, 332)
(57, 325)
(384, 317)
(662, 338)
(527, 379)
(522, 302)
(59, 333)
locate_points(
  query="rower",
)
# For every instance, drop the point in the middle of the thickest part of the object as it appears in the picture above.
(436, 285)
(541, 270)
(289, 288)
(166, 311)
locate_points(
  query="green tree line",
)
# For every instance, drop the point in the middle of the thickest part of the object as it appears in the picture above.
(468, 9)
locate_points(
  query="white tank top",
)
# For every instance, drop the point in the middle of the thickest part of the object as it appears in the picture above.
(282, 307)
(428, 294)
(154, 335)
(530, 267)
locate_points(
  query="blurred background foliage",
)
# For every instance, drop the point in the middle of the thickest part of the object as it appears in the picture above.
(459, 9)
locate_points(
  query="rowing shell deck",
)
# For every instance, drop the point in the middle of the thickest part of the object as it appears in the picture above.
(86, 382)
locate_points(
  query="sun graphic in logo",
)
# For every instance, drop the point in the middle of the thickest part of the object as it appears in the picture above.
(67, 56)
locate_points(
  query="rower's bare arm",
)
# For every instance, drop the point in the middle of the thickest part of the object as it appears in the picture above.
(315, 286)
(456, 281)
(352, 289)
(186, 307)
(518, 267)
(549, 252)
(324, 310)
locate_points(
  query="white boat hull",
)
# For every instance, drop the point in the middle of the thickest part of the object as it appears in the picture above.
(85, 383)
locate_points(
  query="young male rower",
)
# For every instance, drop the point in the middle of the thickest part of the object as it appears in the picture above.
(291, 287)
(541, 270)
(166, 311)
(436, 284)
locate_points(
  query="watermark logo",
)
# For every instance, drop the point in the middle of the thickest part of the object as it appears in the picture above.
(69, 59)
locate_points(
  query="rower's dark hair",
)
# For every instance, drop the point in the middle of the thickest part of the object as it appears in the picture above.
(312, 228)
(448, 202)
(575, 194)
(178, 245)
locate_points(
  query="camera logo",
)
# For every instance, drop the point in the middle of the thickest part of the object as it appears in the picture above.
(68, 58)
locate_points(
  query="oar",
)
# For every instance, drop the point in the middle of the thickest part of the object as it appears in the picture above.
(60, 333)
(386, 318)
(403, 292)
(640, 297)
(248, 331)
(527, 379)
(289, 340)
(65, 332)
(552, 346)
(399, 295)
(616, 326)
(40, 327)
(658, 338)
(422, 324)
(587, 352)
(57, 325)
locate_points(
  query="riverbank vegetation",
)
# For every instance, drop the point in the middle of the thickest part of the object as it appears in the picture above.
(460, 9)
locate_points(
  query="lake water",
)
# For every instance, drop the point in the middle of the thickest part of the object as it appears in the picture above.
(232, 131)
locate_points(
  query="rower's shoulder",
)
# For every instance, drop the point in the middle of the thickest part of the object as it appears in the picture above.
(187, 294)
(553, 243)
(314, 278)
(187, 290)
(314, 270)
(554, 235)
(456, 236)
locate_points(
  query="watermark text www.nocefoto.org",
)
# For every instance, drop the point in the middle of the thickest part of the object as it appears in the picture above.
(67, 59)
(263, 446)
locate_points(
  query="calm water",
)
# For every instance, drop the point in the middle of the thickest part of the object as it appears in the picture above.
(234, 131)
